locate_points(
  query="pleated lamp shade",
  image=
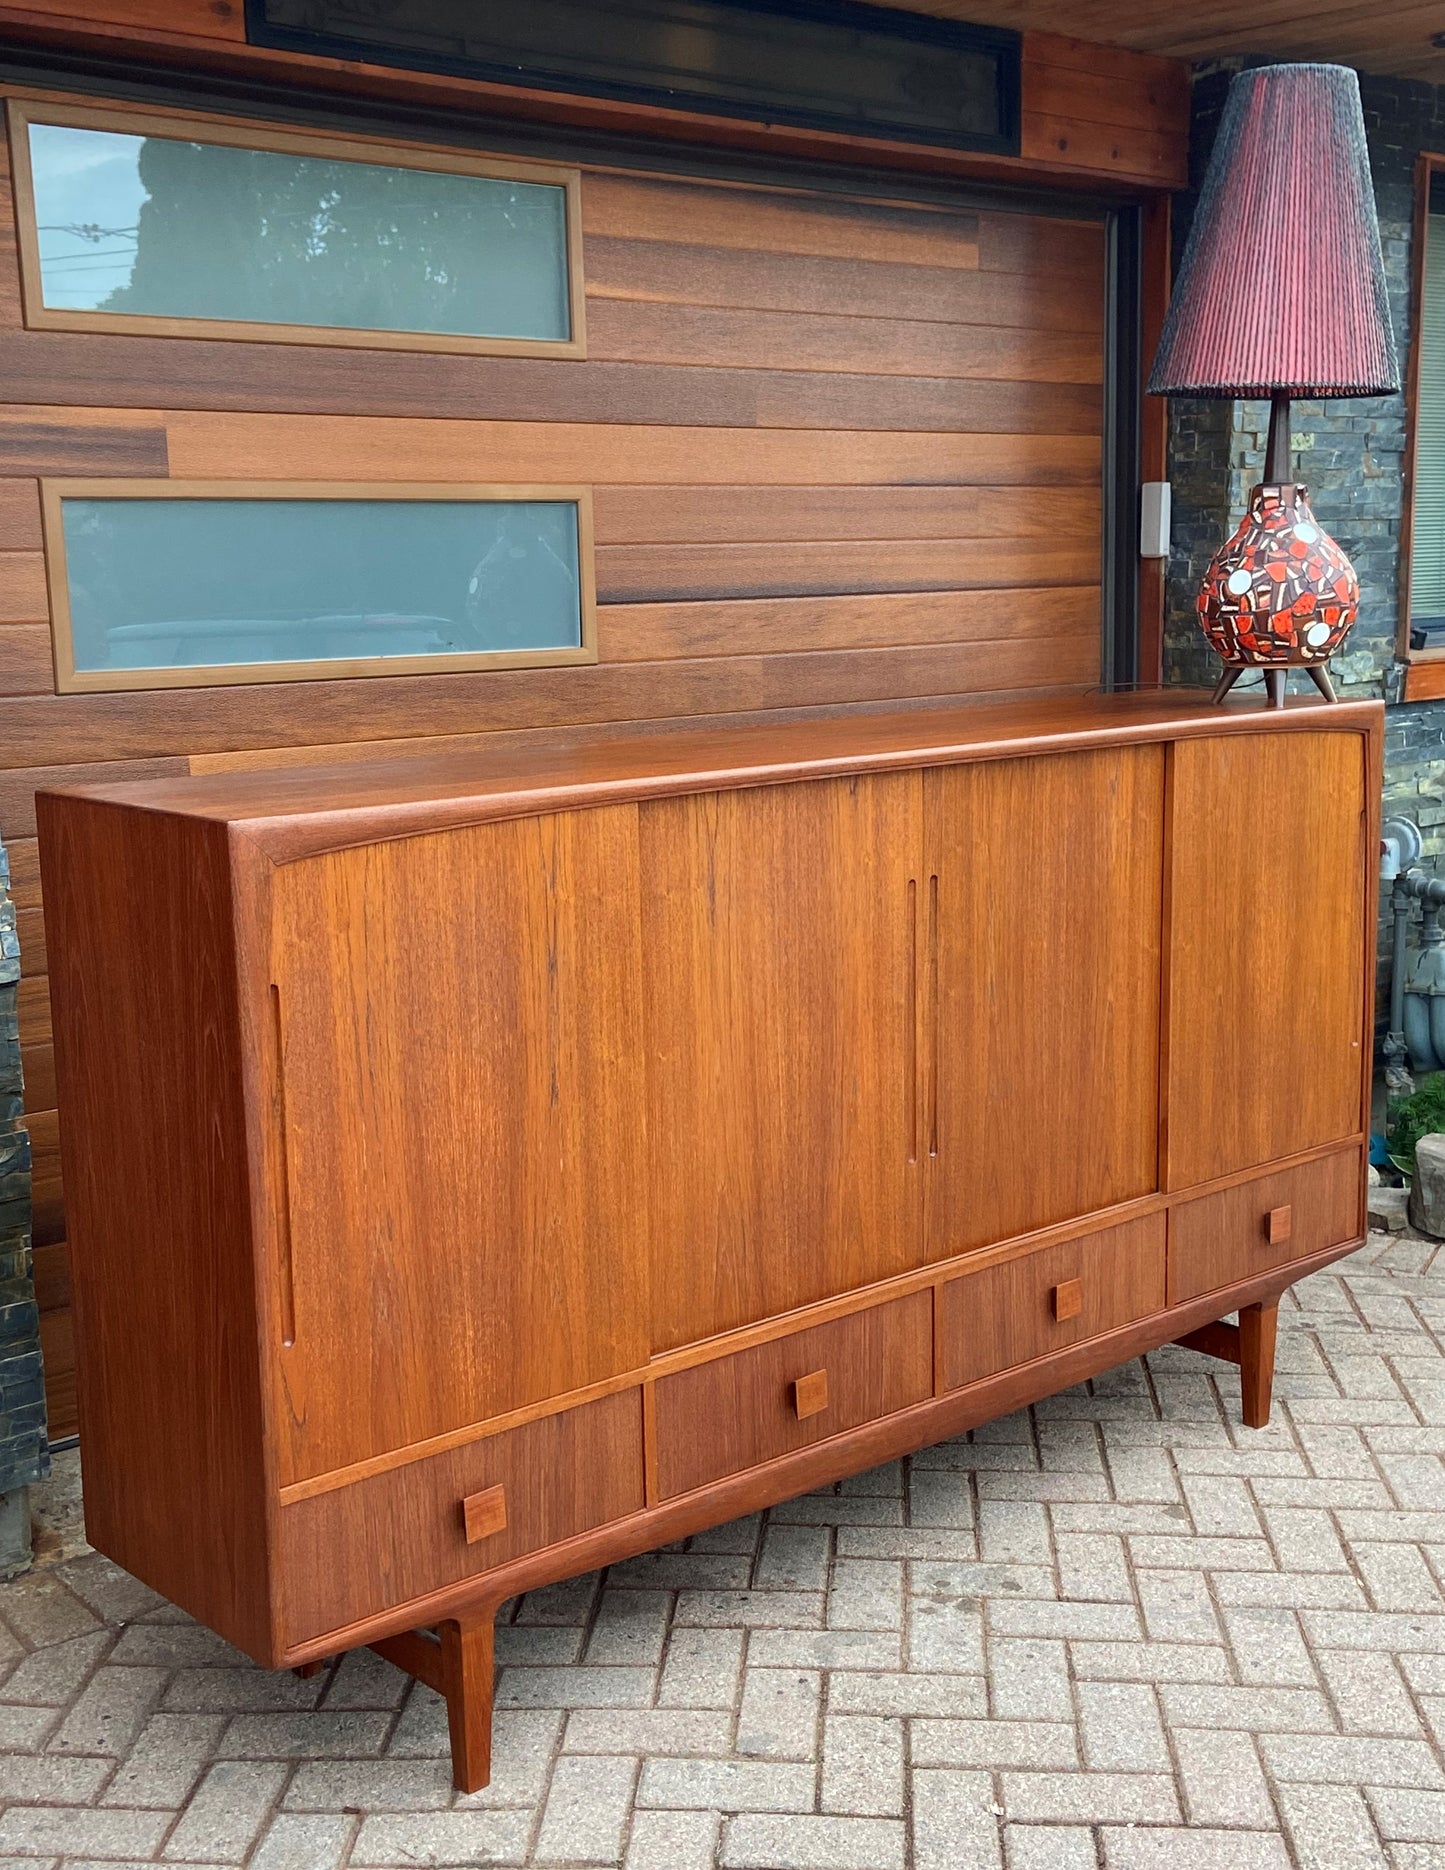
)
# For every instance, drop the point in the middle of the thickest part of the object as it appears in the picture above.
(1282, 287)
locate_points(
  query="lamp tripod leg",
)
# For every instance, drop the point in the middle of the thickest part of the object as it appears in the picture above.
(1275, 682)
(1319, 674)
(1229, 675)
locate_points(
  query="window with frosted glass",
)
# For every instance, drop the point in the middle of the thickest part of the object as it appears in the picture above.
(130, 225)
(214, 588)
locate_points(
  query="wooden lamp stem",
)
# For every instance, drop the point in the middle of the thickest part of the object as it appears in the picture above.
(1279, 451)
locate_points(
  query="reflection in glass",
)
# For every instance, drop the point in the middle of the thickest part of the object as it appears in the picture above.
(156, 226)
(195, 583)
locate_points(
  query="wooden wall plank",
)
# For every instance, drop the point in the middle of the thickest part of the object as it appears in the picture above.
(63, 368)
(23, 594)
(174, 722)
(24, 871)
(30, 927)
(732, 515)
(19, 785)
(26, 667)
(37, 1063)
(207, 19)
(1067, 298)
(650, 632)
(20, 516)
(703, 334)
(677, 573)
(33, 1010)
(74, 441)
(264, 447)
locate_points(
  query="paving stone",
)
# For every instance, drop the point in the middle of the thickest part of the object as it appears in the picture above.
(649, 1730)
(995, 1744)
(1254, 1710)
(79, 1831)
(1050, 1847)
(586, 1811)
(1351, 1759)
(1009, 1616)
(226, 1811)
(370, 1786)
(823, 1649)
(866, 1594)
(727, 1785)
(702, 1669)
(1093, 1566)
(1030, 1680)
(793, 1558)
(1091, 1798)
(461, 1838)
(571, 1688)
(863, 1765)
(890, 1691)
(939, 1497)
(955, 1822)
(49, 1779)
(763, 1841)
(1220, 1777)
(363, 1679)
(1408, 1815)
(679, 1840)
(945, 1635)
(169, 1756)
(51, 1677)
(1368, 1693)
(304, 1736)
(1149, 1662)
(110, 1712)
(1193, 1850)
(46, 1612)
(1331, 1828)
(1396, 1577)
(630, 1627)
(1269, 1649)
(1177, 1607)
(1120, 1727)
(778, 1715)
(309, 1841)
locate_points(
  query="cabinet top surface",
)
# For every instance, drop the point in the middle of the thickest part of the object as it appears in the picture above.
(294, 810)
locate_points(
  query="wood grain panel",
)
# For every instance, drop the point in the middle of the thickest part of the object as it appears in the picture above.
(37, 1066)
(20, 516)
(23, 596)
(1256, 1068)
(37, 440)
(395, 1536)
(778, 945)
(736, 1412)
(1068, 618)
(777, 221)
(266, 447)
(1063, 299)
(19, 785)
(57, 1353)
(476, 1182)
(207, 19)
(33, 1010)
(26, 662)
(61, 368)
(156, 1130)
(1005, 1314)
(30, 927)
(1221, 1239)
(734, 515)
(1047, 989)
(179, 721)
(45, 1209)
(906, 347)
(24, 870)
(633, 574)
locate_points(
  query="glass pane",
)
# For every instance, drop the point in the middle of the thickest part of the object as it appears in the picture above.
(170, 229)
(1427, 548)
(187, 584)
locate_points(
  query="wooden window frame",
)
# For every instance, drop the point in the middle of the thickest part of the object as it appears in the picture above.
(1425, 671)
(205, 128)
(72, 681)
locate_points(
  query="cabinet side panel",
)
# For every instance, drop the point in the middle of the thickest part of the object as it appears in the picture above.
(153, 1139)
(1266, 949)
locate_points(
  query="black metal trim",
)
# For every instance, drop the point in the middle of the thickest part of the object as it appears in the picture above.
(1123, 325)
(1004, 45)
(139, 81)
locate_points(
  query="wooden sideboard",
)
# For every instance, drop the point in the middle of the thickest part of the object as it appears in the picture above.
(481, 1170)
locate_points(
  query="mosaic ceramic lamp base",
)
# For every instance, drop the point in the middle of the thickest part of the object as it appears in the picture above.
(1279, 595)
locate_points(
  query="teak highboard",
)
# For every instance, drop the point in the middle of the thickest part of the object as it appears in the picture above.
(483, 1170)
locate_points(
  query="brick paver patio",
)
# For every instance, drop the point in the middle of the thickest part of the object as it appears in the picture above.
(1119, 1630)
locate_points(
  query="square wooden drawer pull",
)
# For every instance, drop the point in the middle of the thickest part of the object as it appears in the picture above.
(1068, 1300)
(1278, 1226)
(485, 1513)
(810, 1394)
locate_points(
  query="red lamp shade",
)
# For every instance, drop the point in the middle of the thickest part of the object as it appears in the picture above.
(1282, 287)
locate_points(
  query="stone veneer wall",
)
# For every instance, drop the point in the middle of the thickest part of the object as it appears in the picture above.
(1350, 454)
(24, 1451)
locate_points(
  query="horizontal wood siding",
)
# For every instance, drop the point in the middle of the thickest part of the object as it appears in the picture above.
(842, 451)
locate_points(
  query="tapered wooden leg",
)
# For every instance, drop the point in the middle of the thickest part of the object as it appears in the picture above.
(1319, 674)
(457, 1663)
(1275, 683)
(1229, 675)
(1258, 1326)
(307, 1669)
(467, 1673)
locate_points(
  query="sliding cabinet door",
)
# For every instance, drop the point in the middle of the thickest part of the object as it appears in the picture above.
(1267, 944)
(1042, 1007)
(780, 964)
(466, 1218)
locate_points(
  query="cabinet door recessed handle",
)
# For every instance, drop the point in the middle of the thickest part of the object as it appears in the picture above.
(1068, 1300)
(1278, 1225)
(810, 1394)
(484, 1513)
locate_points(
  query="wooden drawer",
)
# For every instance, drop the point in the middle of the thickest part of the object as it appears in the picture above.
(736, 1412)
(1016, 1310)
(1221, 1239)
(381, 1541)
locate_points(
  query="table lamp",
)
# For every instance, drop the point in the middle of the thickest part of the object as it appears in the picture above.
(1281, 293)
